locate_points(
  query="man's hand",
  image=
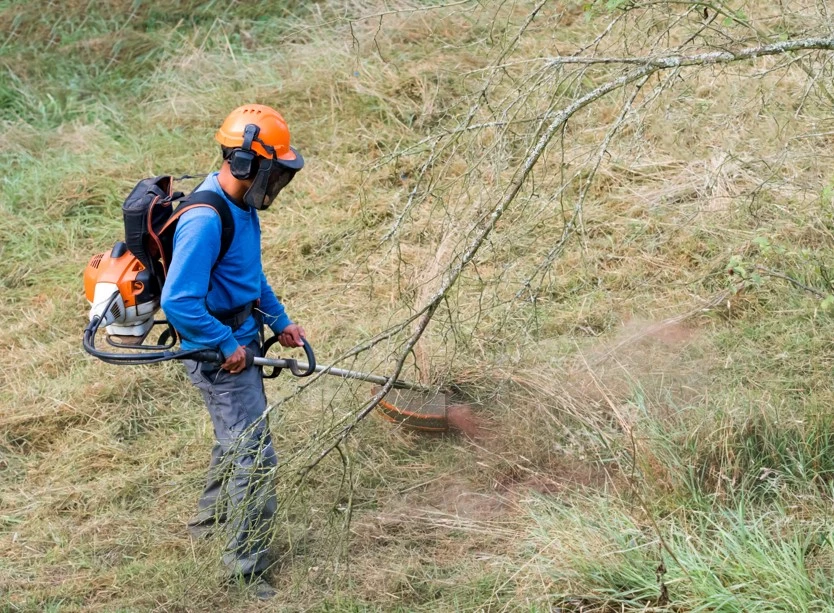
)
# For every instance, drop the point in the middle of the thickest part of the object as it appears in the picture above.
(291, 336)
(236, 362)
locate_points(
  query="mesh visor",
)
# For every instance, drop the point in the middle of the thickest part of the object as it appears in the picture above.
(270, 179)
(279, 178)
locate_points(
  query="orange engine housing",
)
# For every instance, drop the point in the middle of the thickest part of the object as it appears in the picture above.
(119, 271)
(122, 271)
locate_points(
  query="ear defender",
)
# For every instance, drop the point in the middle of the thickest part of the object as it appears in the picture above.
(242, 162)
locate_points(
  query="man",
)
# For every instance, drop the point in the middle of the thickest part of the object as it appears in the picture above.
(220, 303)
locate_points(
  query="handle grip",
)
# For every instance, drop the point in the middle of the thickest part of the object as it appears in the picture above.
(289, 362)
(311, 362)
(215, 357)
(204, 355)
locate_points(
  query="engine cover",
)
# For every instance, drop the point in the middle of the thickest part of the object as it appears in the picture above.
(131, 313)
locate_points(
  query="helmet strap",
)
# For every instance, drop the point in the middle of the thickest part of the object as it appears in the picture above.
(255, 196)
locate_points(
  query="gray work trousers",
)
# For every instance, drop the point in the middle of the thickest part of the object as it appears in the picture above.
(239, 496)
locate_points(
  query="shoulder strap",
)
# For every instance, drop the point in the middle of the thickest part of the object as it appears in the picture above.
(212, 200)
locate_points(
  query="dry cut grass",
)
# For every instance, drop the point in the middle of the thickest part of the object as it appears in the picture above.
(634, 403)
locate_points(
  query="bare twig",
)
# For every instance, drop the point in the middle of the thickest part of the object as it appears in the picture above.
(704, 59)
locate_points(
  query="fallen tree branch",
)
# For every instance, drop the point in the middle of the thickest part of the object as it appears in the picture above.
(646, 67)
(703, 59)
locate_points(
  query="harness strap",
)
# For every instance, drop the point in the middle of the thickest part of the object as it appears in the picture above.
(235, 318)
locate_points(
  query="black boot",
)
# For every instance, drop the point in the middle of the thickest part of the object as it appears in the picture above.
(258, 584)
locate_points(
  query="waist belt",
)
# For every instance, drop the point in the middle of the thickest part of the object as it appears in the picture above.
(235, 318)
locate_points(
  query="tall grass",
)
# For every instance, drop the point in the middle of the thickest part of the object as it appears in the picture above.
(733, 558)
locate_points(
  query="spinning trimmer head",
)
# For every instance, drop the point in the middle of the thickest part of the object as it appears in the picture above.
(417, 410)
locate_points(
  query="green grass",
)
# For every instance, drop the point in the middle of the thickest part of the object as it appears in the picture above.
(735, 558)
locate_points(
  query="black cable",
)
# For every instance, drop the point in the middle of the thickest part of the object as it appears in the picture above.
(127, 359)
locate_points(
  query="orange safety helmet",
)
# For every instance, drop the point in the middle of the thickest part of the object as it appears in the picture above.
(272, 133)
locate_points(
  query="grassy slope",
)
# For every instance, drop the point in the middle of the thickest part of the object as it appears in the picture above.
(611, 438)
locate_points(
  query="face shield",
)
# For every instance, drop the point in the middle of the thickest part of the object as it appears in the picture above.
(271, 178)
(279, 178)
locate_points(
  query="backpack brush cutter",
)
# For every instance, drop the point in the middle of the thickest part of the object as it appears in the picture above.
(124, 298)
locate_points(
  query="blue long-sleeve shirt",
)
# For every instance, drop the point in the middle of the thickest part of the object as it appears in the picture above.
(192, 288)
